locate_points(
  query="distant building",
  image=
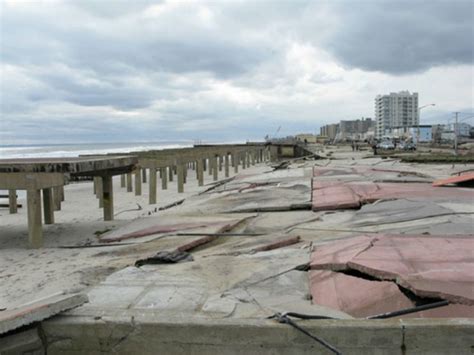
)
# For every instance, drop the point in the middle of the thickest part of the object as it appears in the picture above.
(354, 129)
(396, 110)
(306, 137)
(329, 130)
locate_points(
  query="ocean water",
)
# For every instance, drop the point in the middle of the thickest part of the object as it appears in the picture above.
(74, 150)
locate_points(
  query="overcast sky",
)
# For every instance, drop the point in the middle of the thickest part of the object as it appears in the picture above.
(91, 71)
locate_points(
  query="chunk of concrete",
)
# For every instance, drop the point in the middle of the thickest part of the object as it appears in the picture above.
(39, 310)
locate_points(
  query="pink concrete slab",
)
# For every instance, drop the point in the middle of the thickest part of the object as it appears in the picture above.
(354, 295)
(429, 266)
(334, 198)
(341, 195)
(454, 180)
(335, 256)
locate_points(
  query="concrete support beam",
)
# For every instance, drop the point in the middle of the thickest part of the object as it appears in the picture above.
(129, 182)
(242, 159)
(226, 165)
(61, 191)
(247, 158)
(35, 231)
(12, 201)
(164, 179)
(152, 186)
(123, 180)
(48, 205)
(200, 171)
(108, 197)
(144, 175)
(138, 182)
(170, 172)
(180, 177)
(220, 158)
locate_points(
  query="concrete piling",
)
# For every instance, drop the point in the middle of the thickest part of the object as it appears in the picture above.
(226, 165)
(48, 205)
(164, 178)
(129, 182)
(180, 178)
(12, 201)
(108, 197)
(200, 171)
(35, 231)
(152, 186)
(138, 182)
(123, 180)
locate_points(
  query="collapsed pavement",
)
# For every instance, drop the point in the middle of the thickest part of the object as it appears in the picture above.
(224, 297)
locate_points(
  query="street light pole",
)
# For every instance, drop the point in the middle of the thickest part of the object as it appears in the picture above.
(419, 121)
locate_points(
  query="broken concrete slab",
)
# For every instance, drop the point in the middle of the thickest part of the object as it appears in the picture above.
(39, 310)
(332, 195)
(461, 179)
(354, 295)
(428, 266)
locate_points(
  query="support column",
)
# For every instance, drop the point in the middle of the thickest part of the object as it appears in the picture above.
(152, 186)
(220, 159)
(200, 172)
(123, 180)
(253, 157)
(226, 165)
(144, 175)
(164, 179)
(35, 231)
(57, 198)
(48, 206)
(61, 191)
(12, 201)
(138, 182)
(129, 182)
(108, 197)
(210, 167)
(180, 177)
(185, 173)
(242, 158)
(235, 160)
(215, 171)
(170, 171)
(99, 190)
(247, 159)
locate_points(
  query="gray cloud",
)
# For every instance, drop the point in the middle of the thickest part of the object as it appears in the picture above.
(213, 69)
(400, 37)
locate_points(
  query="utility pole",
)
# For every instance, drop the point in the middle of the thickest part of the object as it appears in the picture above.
(456, 133)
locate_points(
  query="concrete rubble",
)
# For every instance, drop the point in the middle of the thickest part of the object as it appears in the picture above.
(388, 241)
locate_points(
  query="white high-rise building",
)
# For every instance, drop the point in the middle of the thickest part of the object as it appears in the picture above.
(396, 110)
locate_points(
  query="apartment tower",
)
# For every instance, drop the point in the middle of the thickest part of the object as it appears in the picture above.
(396, 110)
